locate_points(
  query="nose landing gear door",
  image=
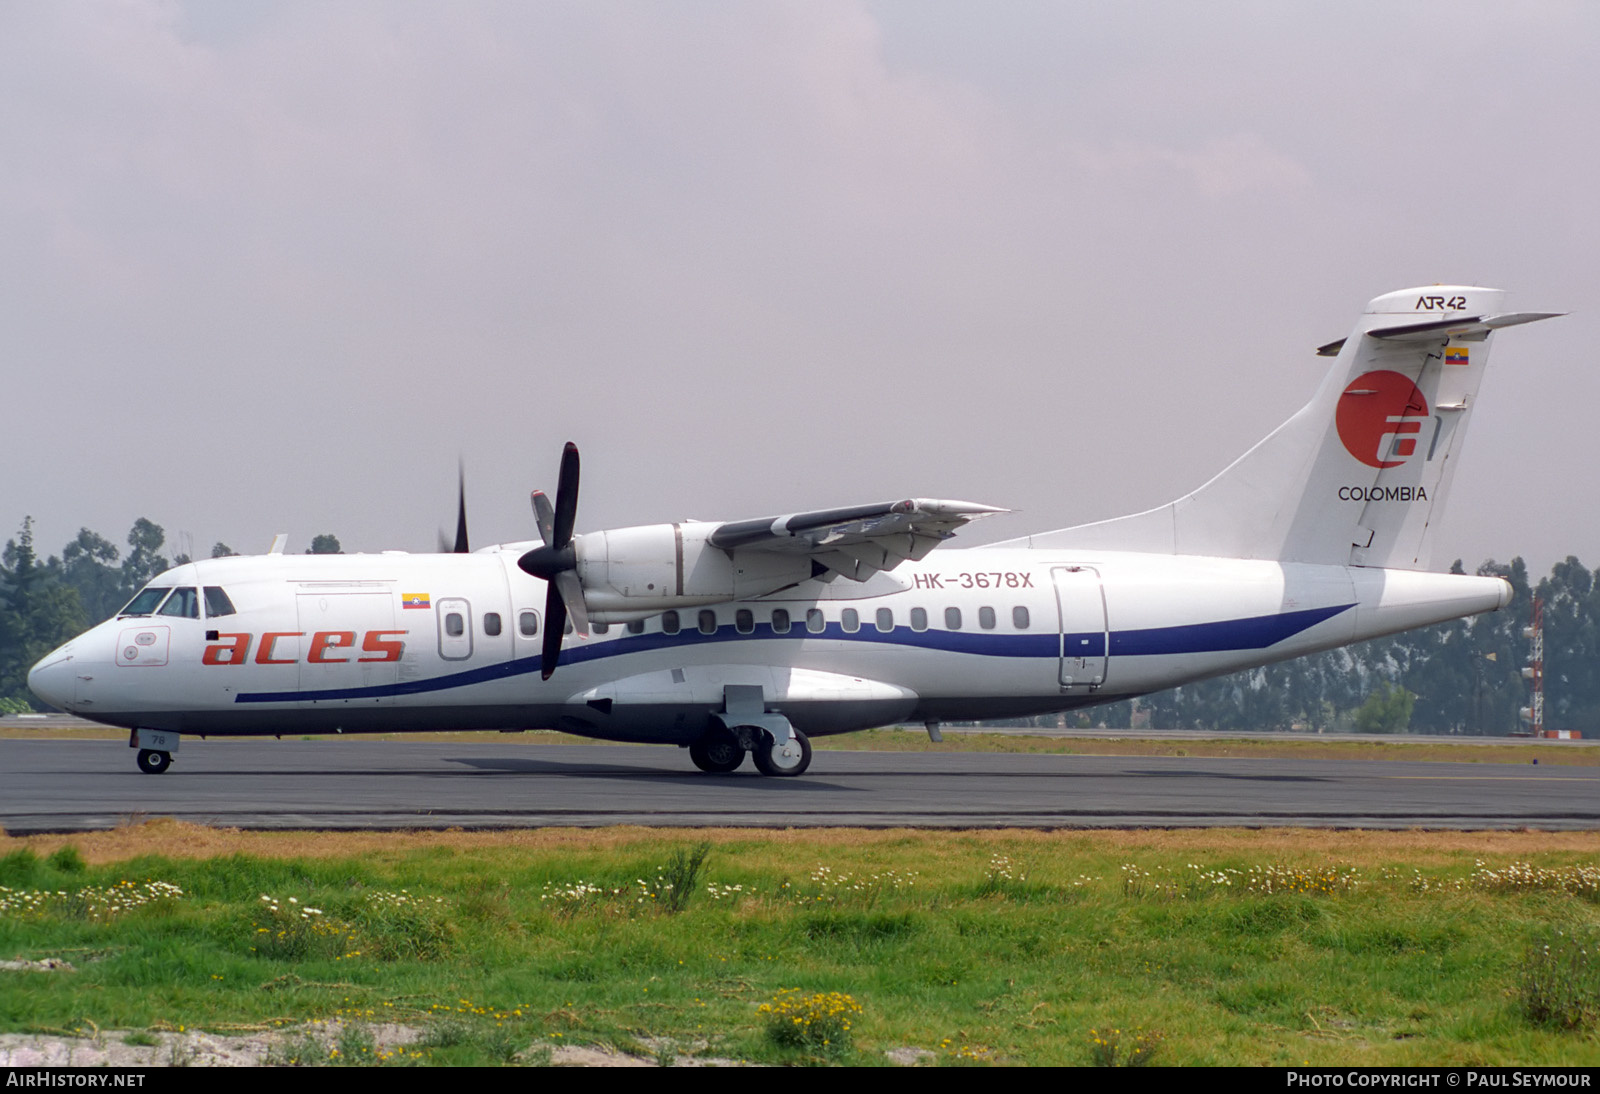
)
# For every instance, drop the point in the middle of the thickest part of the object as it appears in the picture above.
(1085, 640)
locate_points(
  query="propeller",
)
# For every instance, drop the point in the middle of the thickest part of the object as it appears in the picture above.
(556, 561)
(460, 547)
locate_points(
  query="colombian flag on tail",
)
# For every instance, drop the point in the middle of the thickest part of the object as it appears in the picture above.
(1455, 355)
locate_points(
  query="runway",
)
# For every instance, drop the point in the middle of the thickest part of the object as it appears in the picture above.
(56, 786)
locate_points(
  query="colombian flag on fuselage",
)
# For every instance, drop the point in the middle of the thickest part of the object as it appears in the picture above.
(1455, 355)
(414, 600)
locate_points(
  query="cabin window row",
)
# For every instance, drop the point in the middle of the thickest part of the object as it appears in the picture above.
(744, 621)
(850, 620)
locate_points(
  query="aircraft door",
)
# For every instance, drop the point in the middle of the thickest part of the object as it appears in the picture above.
(455, 628)
(347, 640)
(1085, 640)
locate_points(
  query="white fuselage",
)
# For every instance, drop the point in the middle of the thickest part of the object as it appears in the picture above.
(366, 643)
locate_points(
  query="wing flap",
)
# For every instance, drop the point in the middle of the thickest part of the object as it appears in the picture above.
(856, 541)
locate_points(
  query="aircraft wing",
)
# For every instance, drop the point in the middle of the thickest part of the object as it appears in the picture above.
(859, 540)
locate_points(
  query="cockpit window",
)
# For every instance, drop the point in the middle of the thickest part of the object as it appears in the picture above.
(217, 602)
(184, 602)
(146, 601)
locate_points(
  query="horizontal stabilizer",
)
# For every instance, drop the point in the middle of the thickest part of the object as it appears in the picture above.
(1464, 328)
(1467, 328)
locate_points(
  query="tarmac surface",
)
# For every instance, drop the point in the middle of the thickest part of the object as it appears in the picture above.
(62, 786)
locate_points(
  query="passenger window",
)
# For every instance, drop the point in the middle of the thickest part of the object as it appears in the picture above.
(636, 627)
(952, 619)
(744, 621)
(454, 625)
(669, 623)
(885, 620)
(491, 624)
(568, 628)
(183, 603)
(708, 622)
(919, 619)
(850, 620)
(986, 618)
(601, 628)
(1019, 618)
(780, 621)
(146, 601)
(217, 602)
(814, 621)
(528, 624)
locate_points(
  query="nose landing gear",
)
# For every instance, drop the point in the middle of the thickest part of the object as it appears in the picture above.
(152, 762)
(156, 747)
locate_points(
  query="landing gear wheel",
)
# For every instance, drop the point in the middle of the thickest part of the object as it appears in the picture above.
(789, 761)
(152, 762)
(717, 752)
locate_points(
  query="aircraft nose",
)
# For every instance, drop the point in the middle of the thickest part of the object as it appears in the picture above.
(51, 678)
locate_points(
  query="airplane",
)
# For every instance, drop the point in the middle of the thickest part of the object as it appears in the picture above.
(754, 636)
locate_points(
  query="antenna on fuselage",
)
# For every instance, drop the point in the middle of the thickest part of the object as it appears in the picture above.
(279, 541)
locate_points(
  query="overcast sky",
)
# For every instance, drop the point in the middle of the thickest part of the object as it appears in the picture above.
(272, 266)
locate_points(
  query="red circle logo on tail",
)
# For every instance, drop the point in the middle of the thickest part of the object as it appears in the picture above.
(1380, 418)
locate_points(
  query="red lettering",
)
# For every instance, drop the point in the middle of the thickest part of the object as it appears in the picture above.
(264, 654)
(234, 649)
(323, 641)
(391, 649)
(232, 652)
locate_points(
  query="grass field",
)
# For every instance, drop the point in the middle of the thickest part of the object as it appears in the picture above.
(1213, 947)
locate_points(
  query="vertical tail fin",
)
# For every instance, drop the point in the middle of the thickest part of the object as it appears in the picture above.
(1359, 475)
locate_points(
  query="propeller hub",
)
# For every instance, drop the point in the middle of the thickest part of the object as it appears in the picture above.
(546, 562)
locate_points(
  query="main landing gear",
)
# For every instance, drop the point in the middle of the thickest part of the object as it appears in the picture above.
(718, 752)
(790, 758)
(721, 751)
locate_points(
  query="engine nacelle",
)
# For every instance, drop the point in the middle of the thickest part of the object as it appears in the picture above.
(631, 572)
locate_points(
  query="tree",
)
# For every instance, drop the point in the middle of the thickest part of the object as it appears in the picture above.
(88, 563)
(38, 611)
(325, 545)
(222, 550)
(144, 561)
(1387, 710)
(1571, 645)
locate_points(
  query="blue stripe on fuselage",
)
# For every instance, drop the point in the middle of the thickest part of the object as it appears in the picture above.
(1256, 633)
(1253, 633)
